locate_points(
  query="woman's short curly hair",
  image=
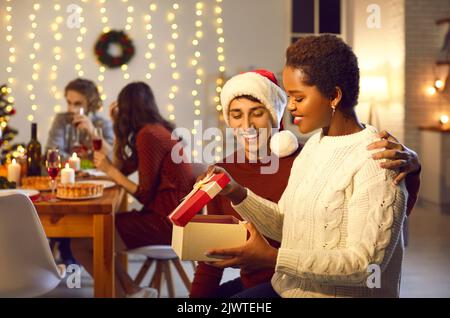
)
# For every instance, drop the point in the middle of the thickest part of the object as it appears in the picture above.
(88, 89)
(327, 62)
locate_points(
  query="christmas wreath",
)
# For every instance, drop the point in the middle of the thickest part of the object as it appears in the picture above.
(119, 39)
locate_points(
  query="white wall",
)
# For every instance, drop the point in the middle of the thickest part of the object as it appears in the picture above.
(381, 53)
(255, 31)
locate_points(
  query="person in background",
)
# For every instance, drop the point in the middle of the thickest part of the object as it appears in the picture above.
(253, 101)
(72, 131)
(144, 144)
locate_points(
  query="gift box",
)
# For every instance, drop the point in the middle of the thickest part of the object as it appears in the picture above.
(193, 235)
(203, 192)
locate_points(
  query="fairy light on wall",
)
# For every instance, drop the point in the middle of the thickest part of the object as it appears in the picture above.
(79, 48)
(150, 44)
(221, 59)
(32, 56)
(220, 55)
(57, 55)
(198, 35)
(104, 19)
(171, 18)
(12, 51)
(128, 27)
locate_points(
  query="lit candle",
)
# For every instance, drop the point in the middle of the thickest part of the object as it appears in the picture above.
(14, 172)
(67, 175)
(74, 162)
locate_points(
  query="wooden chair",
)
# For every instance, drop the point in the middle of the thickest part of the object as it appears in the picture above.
(162, 256)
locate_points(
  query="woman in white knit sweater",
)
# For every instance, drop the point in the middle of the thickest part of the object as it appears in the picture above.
(340, 218)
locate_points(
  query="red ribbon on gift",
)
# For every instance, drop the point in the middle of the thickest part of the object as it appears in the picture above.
(202, 193)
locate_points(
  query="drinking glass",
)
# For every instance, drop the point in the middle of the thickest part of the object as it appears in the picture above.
(97, 139)
(53, 164)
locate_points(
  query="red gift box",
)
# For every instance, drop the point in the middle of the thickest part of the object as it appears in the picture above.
(203, 192)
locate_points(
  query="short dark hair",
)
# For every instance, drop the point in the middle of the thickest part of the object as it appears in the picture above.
(249, 97)
(327, 62)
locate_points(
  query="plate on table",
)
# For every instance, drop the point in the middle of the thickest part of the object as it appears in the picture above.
(106, 184)
(32, 194)
(95, 172)
(81, 198)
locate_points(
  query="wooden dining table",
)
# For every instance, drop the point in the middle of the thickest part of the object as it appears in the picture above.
(93, 218)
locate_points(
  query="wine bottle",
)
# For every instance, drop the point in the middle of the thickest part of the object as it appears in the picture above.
(34, 154)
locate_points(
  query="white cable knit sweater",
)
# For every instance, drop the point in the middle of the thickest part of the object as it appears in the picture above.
(339, 214)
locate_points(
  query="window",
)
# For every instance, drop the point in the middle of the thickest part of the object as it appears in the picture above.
(315, 17)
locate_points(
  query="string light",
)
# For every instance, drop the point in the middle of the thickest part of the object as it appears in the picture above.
(104, 19)
(431, 90)
(439, 84)
(220, 55)
(12, 49)
(198, 71)
(79, 48)
(150, 44)
(221, 62)
(171, 18)
(57, 54)
(32, 56)
(128, 27)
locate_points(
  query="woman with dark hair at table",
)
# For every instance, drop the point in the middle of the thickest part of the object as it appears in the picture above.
(144, 144)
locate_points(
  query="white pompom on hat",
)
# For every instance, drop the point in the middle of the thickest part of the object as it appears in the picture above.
(283, 143)
(262, 85)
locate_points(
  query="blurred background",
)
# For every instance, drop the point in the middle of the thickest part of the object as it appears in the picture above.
(186, 50)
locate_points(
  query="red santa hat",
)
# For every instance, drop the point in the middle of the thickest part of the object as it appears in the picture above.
(262, 85)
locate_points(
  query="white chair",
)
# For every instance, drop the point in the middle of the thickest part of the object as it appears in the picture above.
(27, 267)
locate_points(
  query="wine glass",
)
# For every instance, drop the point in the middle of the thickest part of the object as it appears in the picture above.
(81, 113)
(97, 139)
(75, 145)
(53, 164)
(76, 132)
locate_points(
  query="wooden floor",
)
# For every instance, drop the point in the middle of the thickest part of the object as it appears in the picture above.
(426, 264)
